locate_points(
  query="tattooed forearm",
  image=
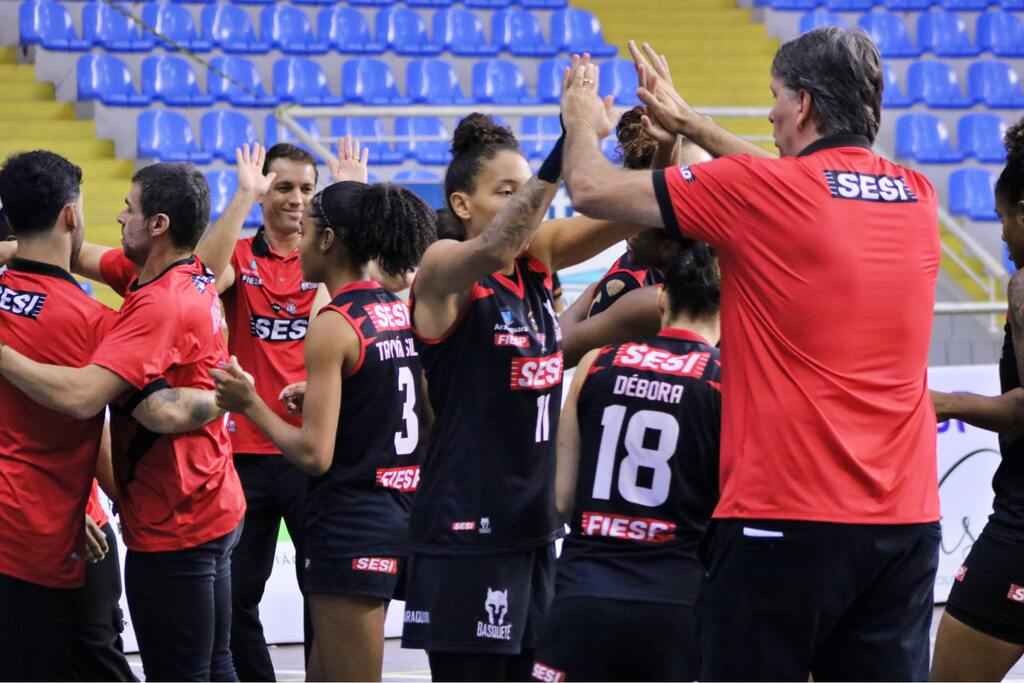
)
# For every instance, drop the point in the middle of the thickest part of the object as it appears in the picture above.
(510, 231)
(172, 411)
(1015, 295)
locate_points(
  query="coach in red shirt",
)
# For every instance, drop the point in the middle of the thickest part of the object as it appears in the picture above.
(180, 499)
(823, 553)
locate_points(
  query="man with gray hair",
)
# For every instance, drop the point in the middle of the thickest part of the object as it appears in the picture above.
(822, 555)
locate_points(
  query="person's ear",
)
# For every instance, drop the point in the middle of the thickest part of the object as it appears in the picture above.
(460, 205)
(805, 116)
(327, 240)
(70, 217)
(159, 224)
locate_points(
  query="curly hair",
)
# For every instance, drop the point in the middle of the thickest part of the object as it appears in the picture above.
(1010, 186)
(636, 148)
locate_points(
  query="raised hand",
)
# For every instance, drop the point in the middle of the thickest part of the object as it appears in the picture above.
(350, 164)
(666, 109)
(581, 104)
(235, 389)
(250, 170)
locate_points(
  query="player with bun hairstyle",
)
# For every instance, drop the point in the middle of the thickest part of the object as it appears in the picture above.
(637, 482)
(484, 521)
(981, 635)
(362, 450)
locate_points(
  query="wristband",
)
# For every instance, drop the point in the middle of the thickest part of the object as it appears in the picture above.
(551, 170)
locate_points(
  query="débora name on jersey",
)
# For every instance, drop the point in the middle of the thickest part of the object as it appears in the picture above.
(627, 528)
(541, 372)
(404, 479)
(644, 357)
(25, 304)
(278, 329)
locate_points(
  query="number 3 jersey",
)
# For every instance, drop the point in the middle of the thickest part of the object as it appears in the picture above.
(495, 383)
(361, 504)
(649, 416)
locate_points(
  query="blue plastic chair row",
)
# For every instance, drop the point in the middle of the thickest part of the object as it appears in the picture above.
(972, 194)
(895, 5)
(935, 84)
(365, 80)
(924, 138)
(945, 34)
(290, 30)
(483, 4)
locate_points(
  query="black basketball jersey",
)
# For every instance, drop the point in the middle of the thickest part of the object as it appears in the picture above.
(1007, 518)
(495, 382)
(623, 277)
(361, 504)
(649, 416)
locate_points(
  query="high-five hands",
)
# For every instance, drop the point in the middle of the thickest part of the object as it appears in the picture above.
(581, 105)
(250, 170)
(668, 114)
(350, 164)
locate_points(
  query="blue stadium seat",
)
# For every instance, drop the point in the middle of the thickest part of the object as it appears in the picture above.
(793, 4)
(610, 147)
(892, 94)
(221, 132)
(370, 81)
(936, 85)
(104, 25)
(945, 34)
(889, 33)
(250, 2)
(967, 5)
(1001, 33)
(301, 80)
(273, 132)
(924, 137)
(462, 32)
(850, 5)
(175, 23)
(995, 84)
(430, 152)
(971, 194)
(223, 185)
(416, 175)
(618, 78)
(549, 79)
(289, 30)
(171, 80)
(313, 2)
(367, 129)
(48, 23)
(166, 135)
(1012, 4)
(487, 4)
(544, 4)
(819, 18)
(347, 31)
(433, 81)
(240, 83)
(576, 30)
(107, 79)
(908, 5)
(539, 125)
(372, 3)
(981, 136)
(520, 33)
(231, 29)
(498, 81)
(429, 3)
(404, 31)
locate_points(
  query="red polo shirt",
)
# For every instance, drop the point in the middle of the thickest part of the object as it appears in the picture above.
(267, 311)
(47, 458)
(181, 490)
(829, 261)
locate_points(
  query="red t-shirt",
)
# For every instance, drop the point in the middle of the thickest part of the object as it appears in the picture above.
(267, 310)
(183, 489)
(829, 261)
(94, 508)
(47, 458)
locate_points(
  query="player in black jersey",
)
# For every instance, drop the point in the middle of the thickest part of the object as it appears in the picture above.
(483, 520)
(981, 635)
(637, 482)
(361, 419)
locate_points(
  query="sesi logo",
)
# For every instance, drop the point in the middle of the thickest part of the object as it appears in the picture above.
(543, 672)
(404, 479)
(389, 317)
(381, 565)
(25, 304)
(644, 357)
(1016, 593)
(868, 187)
(537, 373)
(627, 528)
(278, 329)
(463, 526)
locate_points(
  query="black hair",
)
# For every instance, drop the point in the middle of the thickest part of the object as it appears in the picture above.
(35, 187)
(1010, 186)
(179, 191)
(5, 226)
(383, 222)
(636, 148)
(477, 139)
(693, 283)
(449, 227)
(284, 150)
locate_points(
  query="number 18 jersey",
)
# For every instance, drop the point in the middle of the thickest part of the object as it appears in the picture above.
(649, 416)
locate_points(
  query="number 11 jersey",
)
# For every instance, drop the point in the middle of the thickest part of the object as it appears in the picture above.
(649, 416)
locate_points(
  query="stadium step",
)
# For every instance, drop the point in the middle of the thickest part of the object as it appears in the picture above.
(21, 112)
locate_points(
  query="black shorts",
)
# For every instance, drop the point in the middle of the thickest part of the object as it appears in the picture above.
(36, 623)
(487, 604)
(371, 576)
(988, 593)
(597, 639)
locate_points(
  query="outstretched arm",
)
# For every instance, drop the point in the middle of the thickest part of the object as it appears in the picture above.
(1003, 414)
(634, 315)
(79, 392)
(174, 410)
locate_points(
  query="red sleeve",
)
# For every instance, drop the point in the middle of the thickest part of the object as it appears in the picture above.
(707, 201)
(117, 270)
(142, 344)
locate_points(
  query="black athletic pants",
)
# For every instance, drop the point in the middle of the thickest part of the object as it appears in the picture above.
(35, 631)
(274, 489)
(97, 653)
(466, 666)
(785, 599)
(180, 603)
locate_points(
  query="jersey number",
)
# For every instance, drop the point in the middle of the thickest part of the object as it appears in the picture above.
(638, 455)
(406, 440)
